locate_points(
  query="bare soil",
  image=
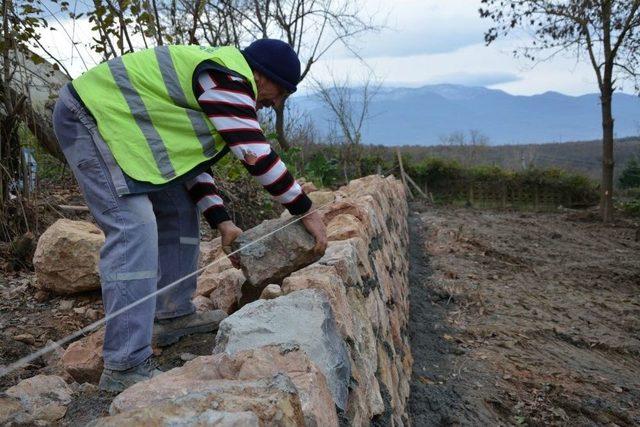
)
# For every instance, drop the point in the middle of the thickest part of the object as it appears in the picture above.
(517, 319)
(524, 319)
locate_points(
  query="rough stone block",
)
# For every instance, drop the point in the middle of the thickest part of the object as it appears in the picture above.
(211, 251)
(320, 198)
(271, 291)
(324, 278)
(207, 372)
(182, 399)
(83, 358)
(66, 257)
(345, 226)
(273, 258)
(303, 319)
(223, 288)
(202, 303)
(43, 399)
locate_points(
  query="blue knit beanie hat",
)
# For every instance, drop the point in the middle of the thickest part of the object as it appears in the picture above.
(276, 60)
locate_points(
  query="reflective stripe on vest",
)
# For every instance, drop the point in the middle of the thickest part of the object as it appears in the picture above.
(141, 117)
(170, 77)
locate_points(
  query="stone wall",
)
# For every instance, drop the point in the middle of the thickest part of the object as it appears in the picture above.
(332, 349)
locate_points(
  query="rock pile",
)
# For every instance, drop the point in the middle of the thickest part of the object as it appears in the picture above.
(332, 347)
(319, 342)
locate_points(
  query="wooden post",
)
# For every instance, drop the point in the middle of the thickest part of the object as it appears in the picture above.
(504, 197)
(402, 174)
(412, 182)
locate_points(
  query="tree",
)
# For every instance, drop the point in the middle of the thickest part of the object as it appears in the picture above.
(469, 149)
(350, 108)
(21, 72)
(630, 176)
(606, 31)
(311, 27)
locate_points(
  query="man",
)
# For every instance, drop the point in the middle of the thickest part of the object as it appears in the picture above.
(140, 132)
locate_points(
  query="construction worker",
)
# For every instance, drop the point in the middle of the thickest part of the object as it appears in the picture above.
(140, 133)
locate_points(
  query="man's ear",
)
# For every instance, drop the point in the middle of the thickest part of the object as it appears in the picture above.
(257, 77)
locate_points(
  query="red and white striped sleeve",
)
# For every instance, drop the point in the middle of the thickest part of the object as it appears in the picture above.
(230, 104)
(204, 193)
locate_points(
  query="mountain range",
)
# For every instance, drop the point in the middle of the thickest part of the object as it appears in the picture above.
(424, 115)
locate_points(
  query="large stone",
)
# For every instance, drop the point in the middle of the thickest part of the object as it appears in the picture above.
(202, 304)
(209, 281)
(203, 373)
(212, 255)
(271, 291)
(345, 226)
(83, 358)
(317, 403)
(43, 398)
(66, 258)
(174, 414)
(343, 256)
(12, 412)
(185, 396)
(223, 288)
(345, 207)
(303, 319)
(270, 259)
(321, 198)
(324, 278)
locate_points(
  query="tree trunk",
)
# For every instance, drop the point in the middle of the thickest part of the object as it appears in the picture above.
(40, 123)
(606, 201)
(282, 139)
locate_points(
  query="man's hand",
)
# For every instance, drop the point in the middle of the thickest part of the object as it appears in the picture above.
(229, 232)
(314, 225)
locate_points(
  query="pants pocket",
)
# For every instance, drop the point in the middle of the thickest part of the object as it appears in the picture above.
(98, 191)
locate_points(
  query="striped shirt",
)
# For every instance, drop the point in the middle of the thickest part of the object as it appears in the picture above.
(230, 104)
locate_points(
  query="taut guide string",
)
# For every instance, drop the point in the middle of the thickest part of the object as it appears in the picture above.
(31, 357)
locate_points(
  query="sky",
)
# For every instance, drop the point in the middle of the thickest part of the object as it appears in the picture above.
(422, 42)
(442, 41)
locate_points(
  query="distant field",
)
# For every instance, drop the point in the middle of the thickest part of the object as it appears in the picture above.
(582, 156)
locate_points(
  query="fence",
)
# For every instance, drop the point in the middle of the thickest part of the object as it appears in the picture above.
(506, 195)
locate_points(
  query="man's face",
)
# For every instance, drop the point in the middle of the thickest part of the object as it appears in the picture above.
(269, 93)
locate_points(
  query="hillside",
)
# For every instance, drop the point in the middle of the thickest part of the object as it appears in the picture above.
(584, 157)
(430, 112)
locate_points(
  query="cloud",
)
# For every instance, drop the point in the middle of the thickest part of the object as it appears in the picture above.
(477, 65)
(419, 27)
(418, 41)
(485, 79)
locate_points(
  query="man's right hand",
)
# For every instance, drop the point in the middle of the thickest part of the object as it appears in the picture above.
(314, 225)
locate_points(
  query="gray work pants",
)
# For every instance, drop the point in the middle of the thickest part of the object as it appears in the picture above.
(150, 239)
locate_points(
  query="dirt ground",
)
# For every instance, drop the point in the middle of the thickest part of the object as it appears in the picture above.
(524, 319)
(51, 319)
(517, 319)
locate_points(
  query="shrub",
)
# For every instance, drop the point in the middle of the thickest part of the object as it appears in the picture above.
(630, 175)
(321, 171)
